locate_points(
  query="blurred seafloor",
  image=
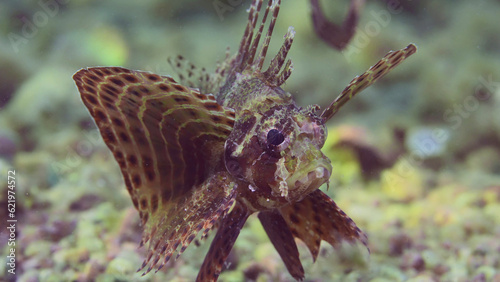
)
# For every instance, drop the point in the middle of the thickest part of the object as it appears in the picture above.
(416, 157)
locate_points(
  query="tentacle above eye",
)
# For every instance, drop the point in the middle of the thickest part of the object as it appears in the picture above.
(374, 73)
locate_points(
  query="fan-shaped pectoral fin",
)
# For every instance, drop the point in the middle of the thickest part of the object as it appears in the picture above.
(195, 214)
(317, 218)
(168, 140)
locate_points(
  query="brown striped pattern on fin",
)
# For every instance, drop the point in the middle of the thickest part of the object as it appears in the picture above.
(223, 242)
(282, 238)
(168, 140)
(197, 212)
(317, 218)
(375, 72)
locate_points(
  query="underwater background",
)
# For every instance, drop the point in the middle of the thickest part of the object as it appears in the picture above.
(416, 157)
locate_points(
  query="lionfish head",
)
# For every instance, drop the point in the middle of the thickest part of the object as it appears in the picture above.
(278, 152)
(275, 146)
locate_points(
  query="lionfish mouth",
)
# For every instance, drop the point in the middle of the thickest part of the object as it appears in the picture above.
(318, 176)
(308, 182)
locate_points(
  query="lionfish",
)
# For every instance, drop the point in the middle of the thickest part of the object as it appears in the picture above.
(208, 152)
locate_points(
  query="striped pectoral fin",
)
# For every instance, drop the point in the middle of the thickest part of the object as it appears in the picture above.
(282, 238)
(167, 139)
(163, 135)
(229, 229)
(175, 228)
(317, 218)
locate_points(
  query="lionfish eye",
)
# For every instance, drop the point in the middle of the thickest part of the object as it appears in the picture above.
(275, 137)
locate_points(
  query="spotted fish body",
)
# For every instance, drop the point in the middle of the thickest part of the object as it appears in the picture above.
(209, 151)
